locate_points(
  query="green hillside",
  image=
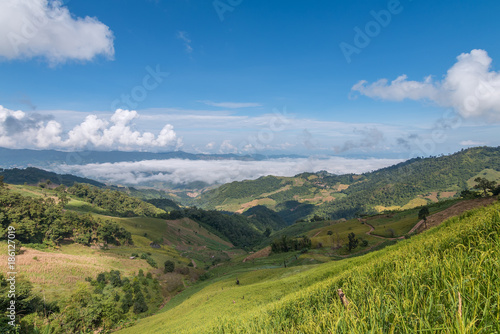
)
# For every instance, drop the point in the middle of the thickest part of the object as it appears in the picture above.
(91, 251)
(413, 183)
(413, 286)
(34, 176)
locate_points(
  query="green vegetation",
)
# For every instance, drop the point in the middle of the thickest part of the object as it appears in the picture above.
(104, 303)
(404, 185)
(42, 220)
(113, 201)
(32, 175)
(290, 244)
(412, 286)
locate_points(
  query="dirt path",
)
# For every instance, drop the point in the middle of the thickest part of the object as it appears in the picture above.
(452, 211)
(439, 217)
(316, 234)
(378, 236)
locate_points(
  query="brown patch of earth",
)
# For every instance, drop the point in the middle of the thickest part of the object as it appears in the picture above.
(264, 252)
(455, 210)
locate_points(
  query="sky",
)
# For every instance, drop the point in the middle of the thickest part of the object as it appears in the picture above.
(372, 79)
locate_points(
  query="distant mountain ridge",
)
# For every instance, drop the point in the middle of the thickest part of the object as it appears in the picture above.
(408, 184)
(32, 175)
(20, 158)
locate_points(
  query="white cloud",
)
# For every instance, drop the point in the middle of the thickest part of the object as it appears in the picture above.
(231, 105)
(21, 130)
(43, 28)
(180, 171)
(227, 147)
(469, 86)
(187, 42)
(472, 143)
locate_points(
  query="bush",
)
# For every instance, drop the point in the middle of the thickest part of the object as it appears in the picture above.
(169, 266)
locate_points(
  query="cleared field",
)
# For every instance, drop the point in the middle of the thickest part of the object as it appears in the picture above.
(55, 273)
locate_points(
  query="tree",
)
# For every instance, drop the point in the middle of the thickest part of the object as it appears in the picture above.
(423, 213)
(485, 185)
(140, 305)
(169, 266)
(267, 232)
(353, 241)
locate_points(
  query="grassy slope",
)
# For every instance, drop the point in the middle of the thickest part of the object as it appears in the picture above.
(55, 272)
(409, 287)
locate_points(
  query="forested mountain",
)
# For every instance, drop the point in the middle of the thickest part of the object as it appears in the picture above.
(413, 182)
(32, 175)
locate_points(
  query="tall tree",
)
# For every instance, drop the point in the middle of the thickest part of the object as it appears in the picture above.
(485, 185)
(353, 241)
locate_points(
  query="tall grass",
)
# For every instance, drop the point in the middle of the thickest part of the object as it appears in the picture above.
(410, 287)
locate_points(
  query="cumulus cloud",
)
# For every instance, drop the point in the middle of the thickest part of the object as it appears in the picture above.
(469, 86)
(45, 28)
(231, 105)
(21, 130)
(179, 171)
(227, 147)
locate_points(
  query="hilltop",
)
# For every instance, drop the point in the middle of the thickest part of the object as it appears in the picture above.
(412, 183)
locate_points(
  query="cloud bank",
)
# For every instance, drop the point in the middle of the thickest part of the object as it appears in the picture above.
(469, 86)
(179, 171)
(43, 28)
(21, 130)
(231, 105)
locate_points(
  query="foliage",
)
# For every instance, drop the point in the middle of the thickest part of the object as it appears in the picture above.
(423, 213)
(263, 218)
(353, 241)
(286, 244)
(149, 260)
(116, 202)
(32, 175)
(105, 303)
(164, 204)
(392, 186)
(484, 185)
(42, 220)
(169, 266)
(235, 228)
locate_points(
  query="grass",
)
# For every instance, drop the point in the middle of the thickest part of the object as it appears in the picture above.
(488, 173)
(54, 273)
(409, 287)
(340, 231)
(398, 223)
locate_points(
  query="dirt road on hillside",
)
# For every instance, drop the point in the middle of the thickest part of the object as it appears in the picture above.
(452, 211)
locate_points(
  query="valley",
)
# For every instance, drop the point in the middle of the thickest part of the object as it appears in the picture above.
(151, 264)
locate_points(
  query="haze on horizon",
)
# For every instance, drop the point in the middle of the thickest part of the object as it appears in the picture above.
(383, 79)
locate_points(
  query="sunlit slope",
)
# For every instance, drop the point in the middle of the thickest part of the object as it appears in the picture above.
(407, 185)
(409, 287)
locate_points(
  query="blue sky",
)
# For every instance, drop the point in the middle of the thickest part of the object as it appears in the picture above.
(251, 76)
